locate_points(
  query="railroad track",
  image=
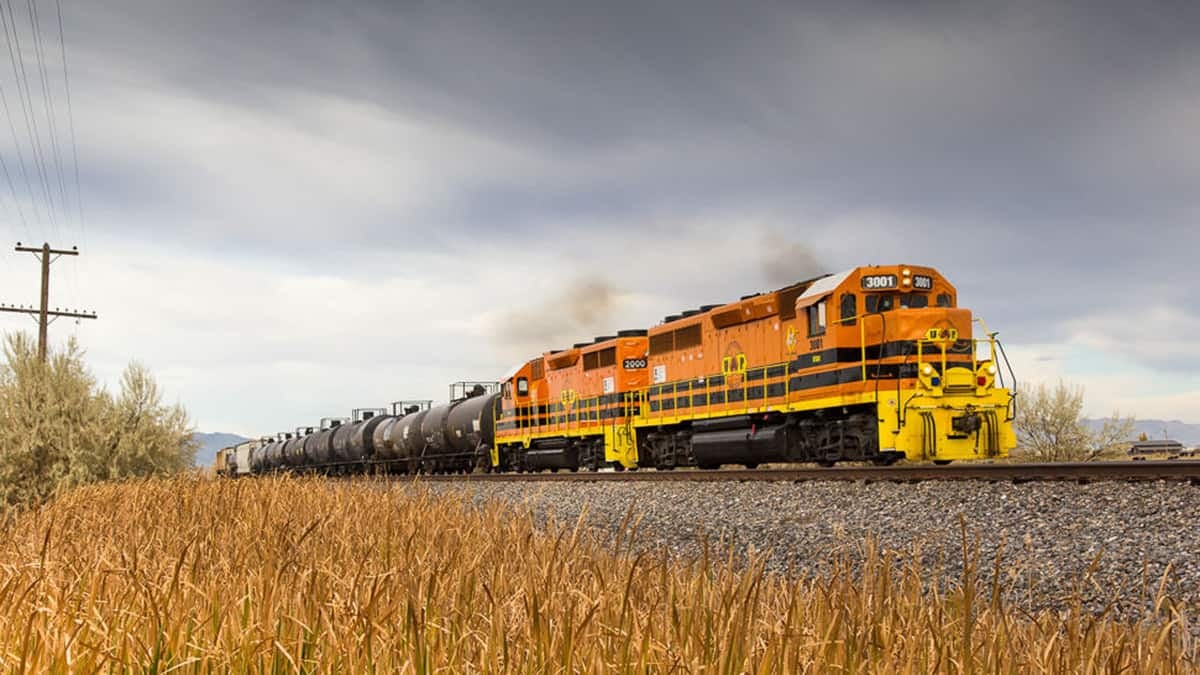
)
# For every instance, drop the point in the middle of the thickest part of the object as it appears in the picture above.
(1083, 472)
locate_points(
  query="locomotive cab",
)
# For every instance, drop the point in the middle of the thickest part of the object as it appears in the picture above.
(940, 391)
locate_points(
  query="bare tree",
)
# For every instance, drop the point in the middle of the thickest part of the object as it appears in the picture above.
(1050, 425)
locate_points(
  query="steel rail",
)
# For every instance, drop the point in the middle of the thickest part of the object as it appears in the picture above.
(1083, 472)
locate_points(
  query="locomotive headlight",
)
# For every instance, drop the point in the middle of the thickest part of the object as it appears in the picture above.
(929, 378)
(906, 273)
(991, 369)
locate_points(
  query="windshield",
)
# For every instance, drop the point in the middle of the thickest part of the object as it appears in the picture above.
(888, 302)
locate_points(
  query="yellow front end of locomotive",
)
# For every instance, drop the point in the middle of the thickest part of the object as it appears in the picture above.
(955, 411)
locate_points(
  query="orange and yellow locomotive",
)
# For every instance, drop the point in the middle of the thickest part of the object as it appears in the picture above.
(874, 364)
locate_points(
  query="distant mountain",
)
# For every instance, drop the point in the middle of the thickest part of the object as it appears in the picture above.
(1188, 434)
(211, 443)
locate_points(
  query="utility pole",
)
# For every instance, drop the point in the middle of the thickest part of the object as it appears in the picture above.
(44, 314)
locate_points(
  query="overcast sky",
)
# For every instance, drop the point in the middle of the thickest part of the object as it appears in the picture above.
(292, 209)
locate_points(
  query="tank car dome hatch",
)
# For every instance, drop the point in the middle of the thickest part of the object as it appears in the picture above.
(603, 338)
(633, 332)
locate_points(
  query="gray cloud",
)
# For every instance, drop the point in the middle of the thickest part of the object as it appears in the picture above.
(959, 113)
(1042, 155)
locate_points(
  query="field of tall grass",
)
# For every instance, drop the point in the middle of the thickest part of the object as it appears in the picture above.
(287, 574)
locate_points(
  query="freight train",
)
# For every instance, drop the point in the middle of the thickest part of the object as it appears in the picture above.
(875, 364)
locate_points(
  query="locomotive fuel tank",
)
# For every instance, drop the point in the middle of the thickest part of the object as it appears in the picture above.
(552, 453)
(471, 423)
(736, 440)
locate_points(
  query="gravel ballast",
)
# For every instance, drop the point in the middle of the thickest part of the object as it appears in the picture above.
(1051, 532)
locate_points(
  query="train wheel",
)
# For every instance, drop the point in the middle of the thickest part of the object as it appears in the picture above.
(825, 463)
(942, 462)
(708, 467)
(751, 465)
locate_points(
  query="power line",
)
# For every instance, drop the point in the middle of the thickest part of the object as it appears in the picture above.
(17, 143)
(48, 105)
(62, 44)
(22, 81)
(48, 173)
(16, 200)
(70, 115)
(7, 174)
(45, 316)
(48, 101)
(16, 59)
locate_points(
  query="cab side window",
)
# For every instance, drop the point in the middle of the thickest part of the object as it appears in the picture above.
(522, 386)
(816, 319)
(849, 309)
(879, 303)
(944, 300)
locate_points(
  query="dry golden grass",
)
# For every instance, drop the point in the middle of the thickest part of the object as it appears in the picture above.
(284, 574)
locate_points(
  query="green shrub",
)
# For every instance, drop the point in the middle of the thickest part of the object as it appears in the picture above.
(58, 428)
